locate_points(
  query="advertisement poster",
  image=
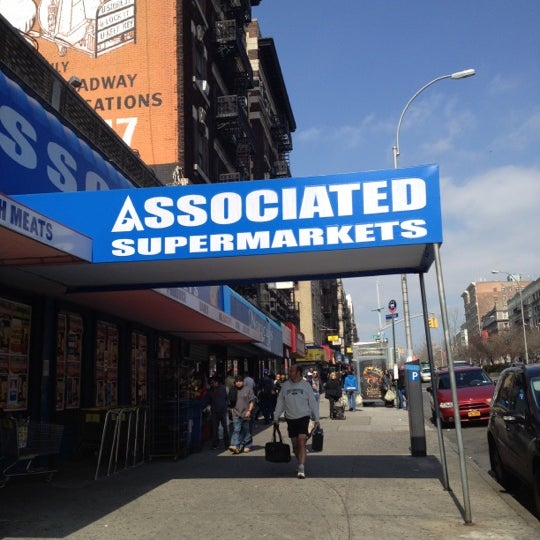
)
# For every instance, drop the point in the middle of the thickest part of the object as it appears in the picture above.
(69, 334)
(139, 359)
(14, 361)
(123, 54)
(164, 347)
(106, 365)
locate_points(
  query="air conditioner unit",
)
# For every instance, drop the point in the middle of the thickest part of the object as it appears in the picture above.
(199, 32)
(201, 115)
(203, 85)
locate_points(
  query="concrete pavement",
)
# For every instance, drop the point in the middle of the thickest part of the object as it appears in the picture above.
(363, 485)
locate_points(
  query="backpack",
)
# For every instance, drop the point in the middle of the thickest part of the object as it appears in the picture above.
(266, 387)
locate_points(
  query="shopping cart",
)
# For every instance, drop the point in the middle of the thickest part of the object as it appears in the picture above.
(22, 441)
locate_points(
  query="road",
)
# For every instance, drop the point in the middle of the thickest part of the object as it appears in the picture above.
(475, 447)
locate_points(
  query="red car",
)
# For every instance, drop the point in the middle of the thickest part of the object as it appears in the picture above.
(474, 391)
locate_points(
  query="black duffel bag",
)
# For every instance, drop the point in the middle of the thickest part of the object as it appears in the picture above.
(276, 450)
(318, 439)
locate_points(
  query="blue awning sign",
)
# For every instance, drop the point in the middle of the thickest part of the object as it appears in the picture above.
(397, 207)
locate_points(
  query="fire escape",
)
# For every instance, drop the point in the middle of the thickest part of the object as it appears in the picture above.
(232, 110)
(281, 135)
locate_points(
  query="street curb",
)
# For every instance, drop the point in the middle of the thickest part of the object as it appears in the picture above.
(506, 497)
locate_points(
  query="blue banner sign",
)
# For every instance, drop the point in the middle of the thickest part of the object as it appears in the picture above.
(38, 153)
(373, 209)
(270, 337)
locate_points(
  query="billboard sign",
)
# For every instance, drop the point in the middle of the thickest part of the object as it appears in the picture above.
(124, 55)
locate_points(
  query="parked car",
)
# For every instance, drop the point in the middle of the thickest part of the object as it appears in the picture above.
(425, 374)
(474, 392)
(514, 429)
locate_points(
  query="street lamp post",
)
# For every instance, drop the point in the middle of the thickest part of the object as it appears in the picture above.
(517, 280)
(404, 287)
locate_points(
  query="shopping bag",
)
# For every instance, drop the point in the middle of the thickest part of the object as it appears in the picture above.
(318, 439)
(276, 450)
(358, 400)
(390, 395)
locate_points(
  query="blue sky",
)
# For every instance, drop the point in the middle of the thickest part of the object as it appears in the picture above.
(350, 66)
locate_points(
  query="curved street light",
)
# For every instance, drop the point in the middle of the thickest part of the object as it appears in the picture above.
(517, 281)
(404, 287)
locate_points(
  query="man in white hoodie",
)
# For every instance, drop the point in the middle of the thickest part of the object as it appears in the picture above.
(297, 401)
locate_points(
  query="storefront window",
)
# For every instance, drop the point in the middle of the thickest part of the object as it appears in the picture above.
(69, 335)
(107, 365)
(14, 339)
(139, 363)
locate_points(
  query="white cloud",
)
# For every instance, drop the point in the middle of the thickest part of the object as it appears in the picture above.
(307, 135)
(490, 221)
(503, 84)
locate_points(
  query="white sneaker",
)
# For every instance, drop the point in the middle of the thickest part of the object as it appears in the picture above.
(301, 475)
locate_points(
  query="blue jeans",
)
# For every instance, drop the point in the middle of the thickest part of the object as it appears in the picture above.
(351, 398)
(401, 397)
(220, 419)
(265, 403)
(241, 435)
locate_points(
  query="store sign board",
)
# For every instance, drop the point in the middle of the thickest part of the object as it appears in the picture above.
(26, 222)
(269, 335)
(183, 296)
(286, 333)
(376, 209)
(38, 153)
(315, 354)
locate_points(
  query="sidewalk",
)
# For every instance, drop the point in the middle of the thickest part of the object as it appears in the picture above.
(363, 485)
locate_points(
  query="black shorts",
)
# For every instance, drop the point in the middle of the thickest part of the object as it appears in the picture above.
(298, 426)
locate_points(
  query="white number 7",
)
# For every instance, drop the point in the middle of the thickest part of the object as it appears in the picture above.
(129, 123)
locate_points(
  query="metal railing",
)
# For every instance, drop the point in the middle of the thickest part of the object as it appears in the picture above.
(124, 432)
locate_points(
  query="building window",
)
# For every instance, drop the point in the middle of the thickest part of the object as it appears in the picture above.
(199, 61)
(201, 146)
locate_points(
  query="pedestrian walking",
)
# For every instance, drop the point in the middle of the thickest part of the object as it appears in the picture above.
(241, 403)
(316, 384)
(401, 389)
(275, 392)
(218, 400)
(249, 382)
(333, 392)
(264, 396)
(351, 387)
(229, 380)
(387, 382)
(297, 401)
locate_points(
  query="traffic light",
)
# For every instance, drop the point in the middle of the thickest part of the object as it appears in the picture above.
(433, 322)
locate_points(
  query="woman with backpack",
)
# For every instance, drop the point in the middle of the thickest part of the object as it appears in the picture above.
(332, 393)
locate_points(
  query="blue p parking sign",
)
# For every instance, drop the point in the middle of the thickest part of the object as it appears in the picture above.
(413, 372)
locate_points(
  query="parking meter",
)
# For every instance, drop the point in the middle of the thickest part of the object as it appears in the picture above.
(413, 384)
